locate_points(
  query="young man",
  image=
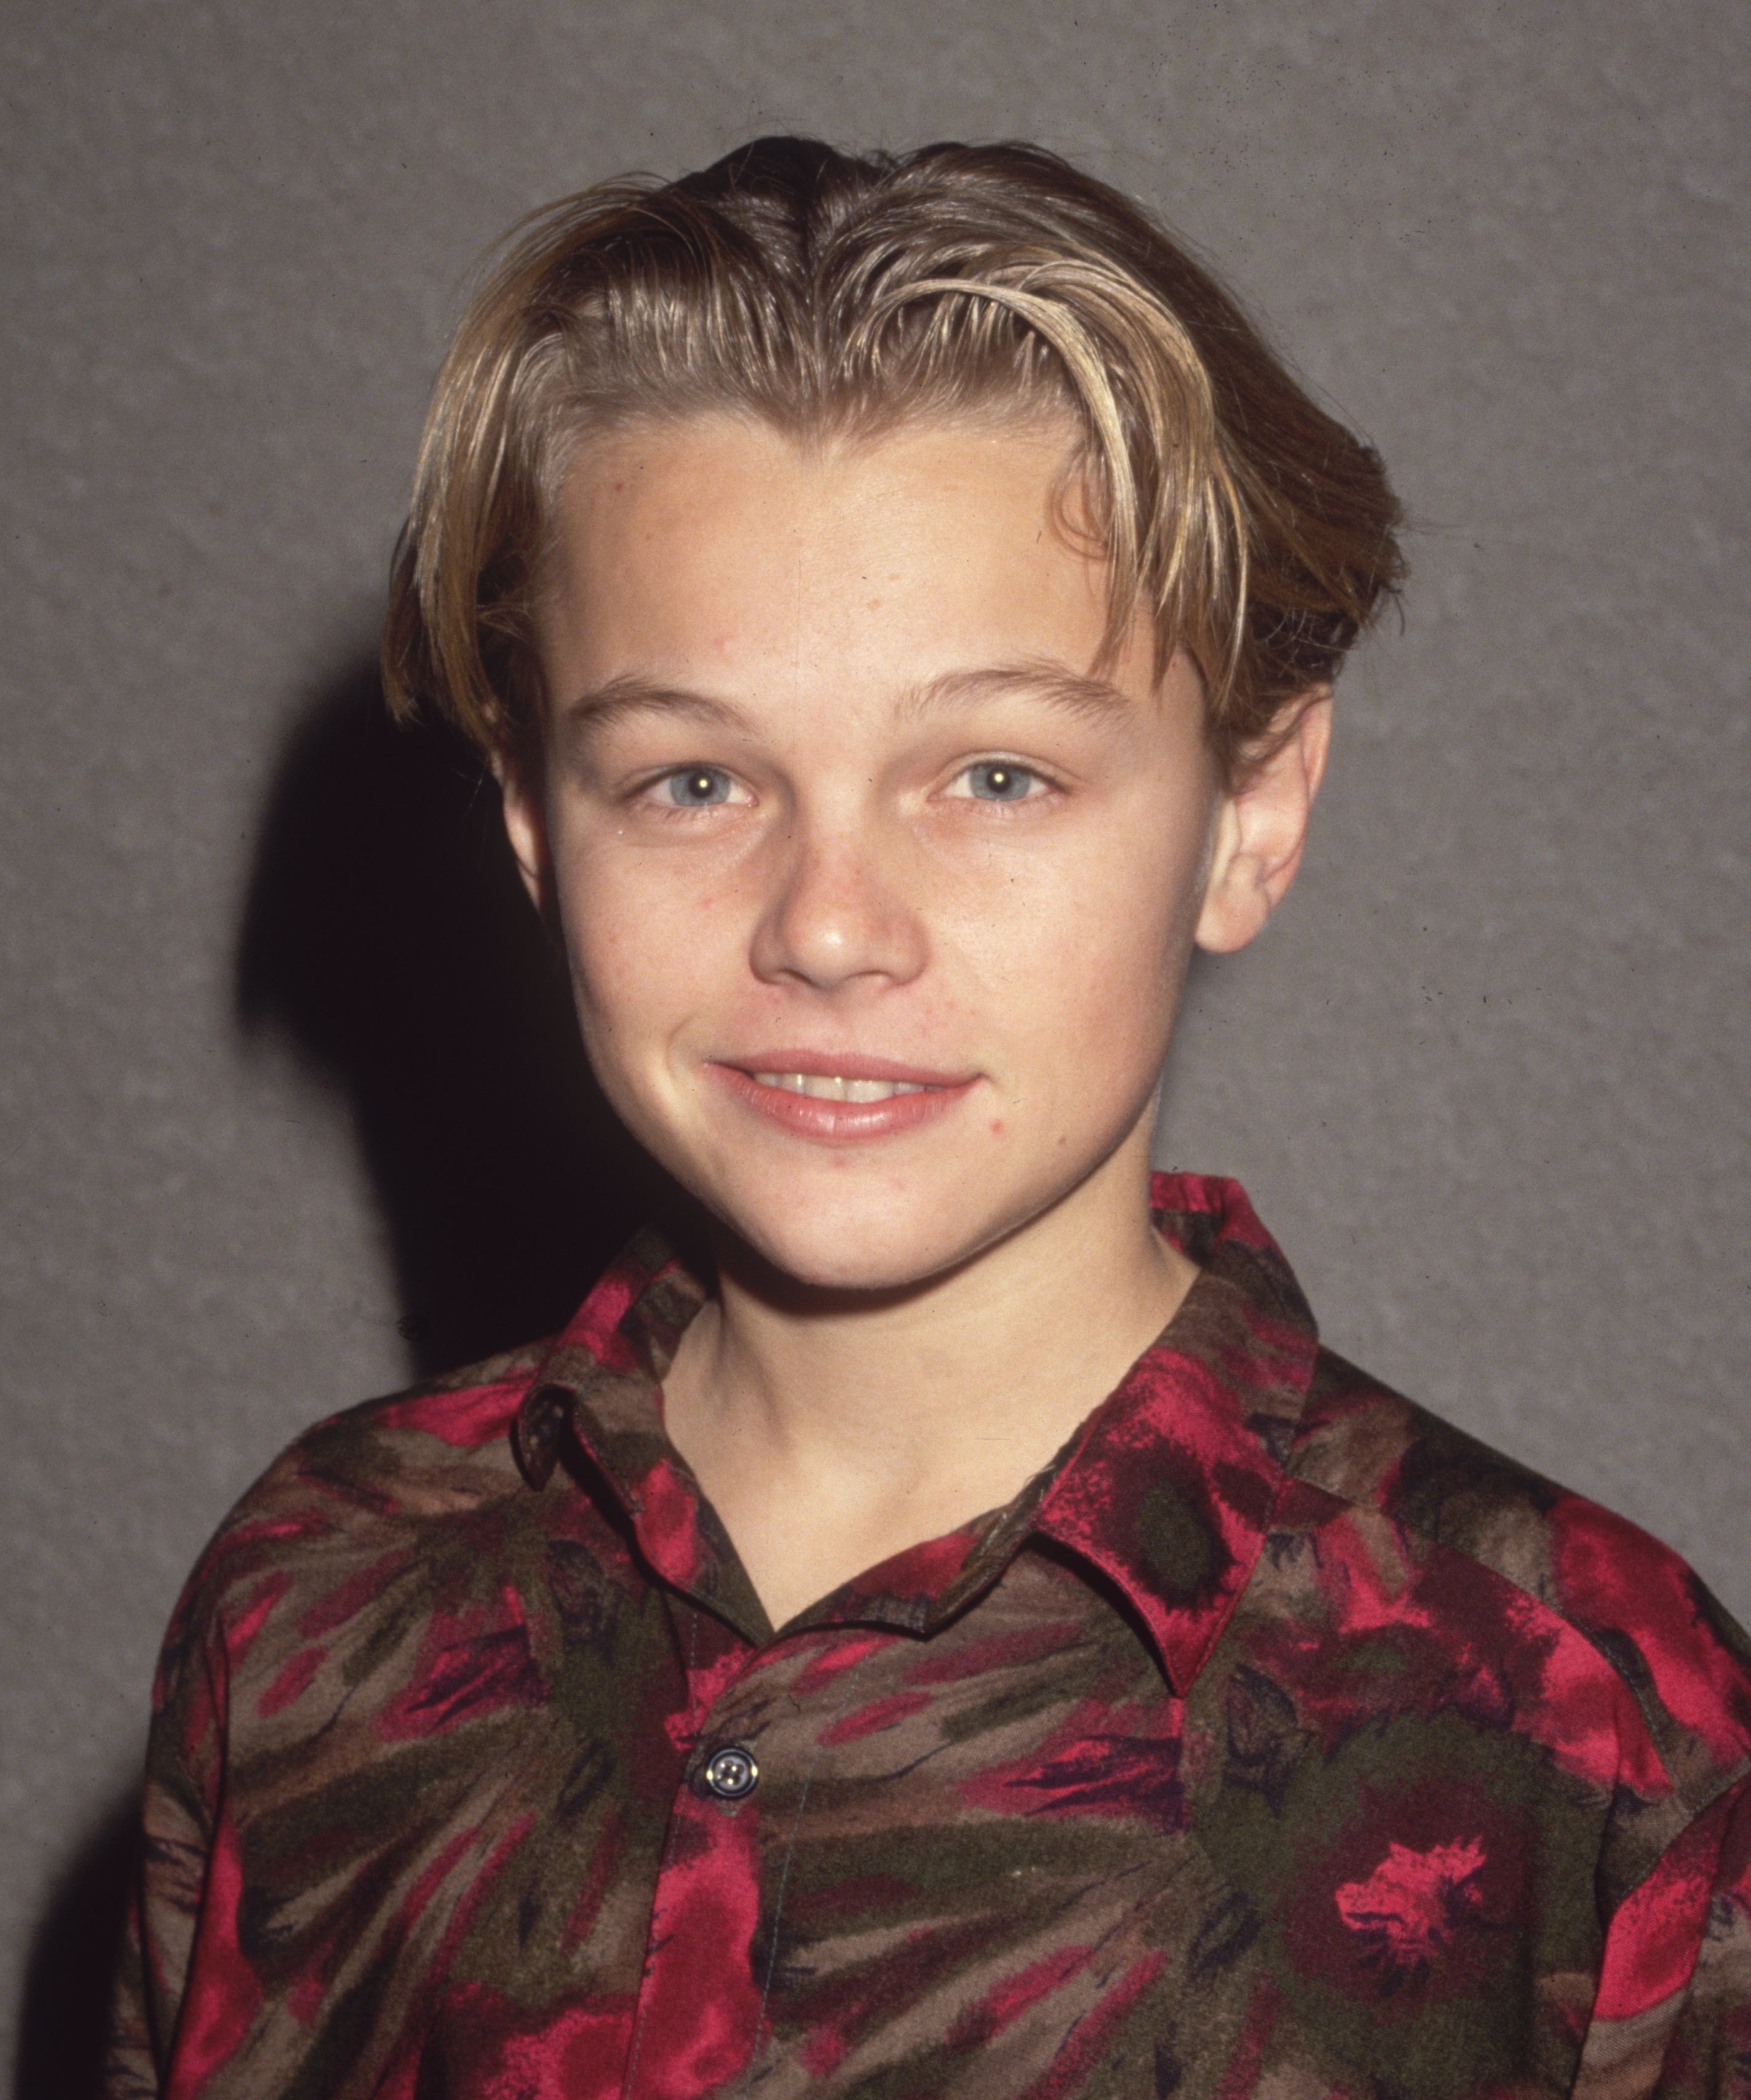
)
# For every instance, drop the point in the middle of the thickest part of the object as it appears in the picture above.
(973, 1641)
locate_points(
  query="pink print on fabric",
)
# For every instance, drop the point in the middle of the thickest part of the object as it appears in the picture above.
(1414, 1902)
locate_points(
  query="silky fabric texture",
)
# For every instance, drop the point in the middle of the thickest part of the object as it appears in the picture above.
(1277, 1738)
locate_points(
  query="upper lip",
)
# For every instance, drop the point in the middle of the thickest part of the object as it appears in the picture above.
(843, 1065)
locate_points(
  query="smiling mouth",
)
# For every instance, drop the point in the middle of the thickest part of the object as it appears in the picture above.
(836, 1087)
(840, 1097)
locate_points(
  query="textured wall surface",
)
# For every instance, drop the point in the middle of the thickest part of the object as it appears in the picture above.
(290, 1106)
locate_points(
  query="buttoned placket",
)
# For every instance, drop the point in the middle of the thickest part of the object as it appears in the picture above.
(717, 1910)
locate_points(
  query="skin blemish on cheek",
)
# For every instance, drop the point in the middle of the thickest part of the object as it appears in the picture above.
(997, 1126)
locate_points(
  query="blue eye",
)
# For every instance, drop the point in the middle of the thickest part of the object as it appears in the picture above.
(698, 787)
(995, 780)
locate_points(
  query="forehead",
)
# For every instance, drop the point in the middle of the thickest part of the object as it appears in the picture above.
(725, 550)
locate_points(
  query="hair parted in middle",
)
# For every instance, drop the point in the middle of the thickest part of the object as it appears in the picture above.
(833, 296)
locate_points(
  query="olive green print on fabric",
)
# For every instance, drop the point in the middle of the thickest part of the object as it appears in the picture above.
(1184, 1552)
(1407, 1880)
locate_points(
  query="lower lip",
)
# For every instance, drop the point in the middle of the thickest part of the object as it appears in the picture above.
(846, 1121)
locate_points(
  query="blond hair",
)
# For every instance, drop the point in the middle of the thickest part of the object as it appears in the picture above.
(827, 295)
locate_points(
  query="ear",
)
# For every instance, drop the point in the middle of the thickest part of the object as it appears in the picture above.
(1262, 826)
(525, 809)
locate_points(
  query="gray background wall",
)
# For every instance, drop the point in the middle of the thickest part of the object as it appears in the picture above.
(264, 1067)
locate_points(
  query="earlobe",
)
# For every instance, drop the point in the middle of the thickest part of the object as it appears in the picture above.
(1262, 826)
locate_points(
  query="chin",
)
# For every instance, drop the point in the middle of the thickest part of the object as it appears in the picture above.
(840, 1246)
(859, 1270)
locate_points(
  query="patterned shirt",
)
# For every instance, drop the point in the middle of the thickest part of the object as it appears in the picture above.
(1277, 1740)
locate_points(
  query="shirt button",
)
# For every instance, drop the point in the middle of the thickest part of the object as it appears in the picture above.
(731, 1772)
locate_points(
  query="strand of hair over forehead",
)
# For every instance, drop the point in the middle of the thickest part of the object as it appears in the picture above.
(1153, 450)
(640, 295)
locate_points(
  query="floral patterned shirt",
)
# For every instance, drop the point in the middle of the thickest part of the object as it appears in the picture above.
(1277, 1740)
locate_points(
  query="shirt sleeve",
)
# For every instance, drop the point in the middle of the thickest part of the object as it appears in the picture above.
(1672, 2019)
(178, 1808)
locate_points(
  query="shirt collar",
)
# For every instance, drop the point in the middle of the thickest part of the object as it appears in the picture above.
(1167, 1488)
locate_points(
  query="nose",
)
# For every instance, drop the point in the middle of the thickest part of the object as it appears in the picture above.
(840, 910)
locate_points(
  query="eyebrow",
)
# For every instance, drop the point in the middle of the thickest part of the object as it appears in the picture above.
(630, 695)
(1076, 693)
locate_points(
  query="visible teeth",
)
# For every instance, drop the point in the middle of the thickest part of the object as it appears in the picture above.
(824, 1086)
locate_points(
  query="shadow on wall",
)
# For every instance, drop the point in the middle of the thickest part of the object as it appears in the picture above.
(387, 941)
(64, 2027)
(387, 938)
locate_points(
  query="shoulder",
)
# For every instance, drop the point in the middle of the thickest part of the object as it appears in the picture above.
(355, 1512)
(1537, 1569)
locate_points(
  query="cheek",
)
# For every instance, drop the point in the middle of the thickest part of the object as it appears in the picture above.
(647, 954)
(1113, 991)
(1093, 955)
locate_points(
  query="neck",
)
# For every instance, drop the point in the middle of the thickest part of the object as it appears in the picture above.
(831, 1430)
